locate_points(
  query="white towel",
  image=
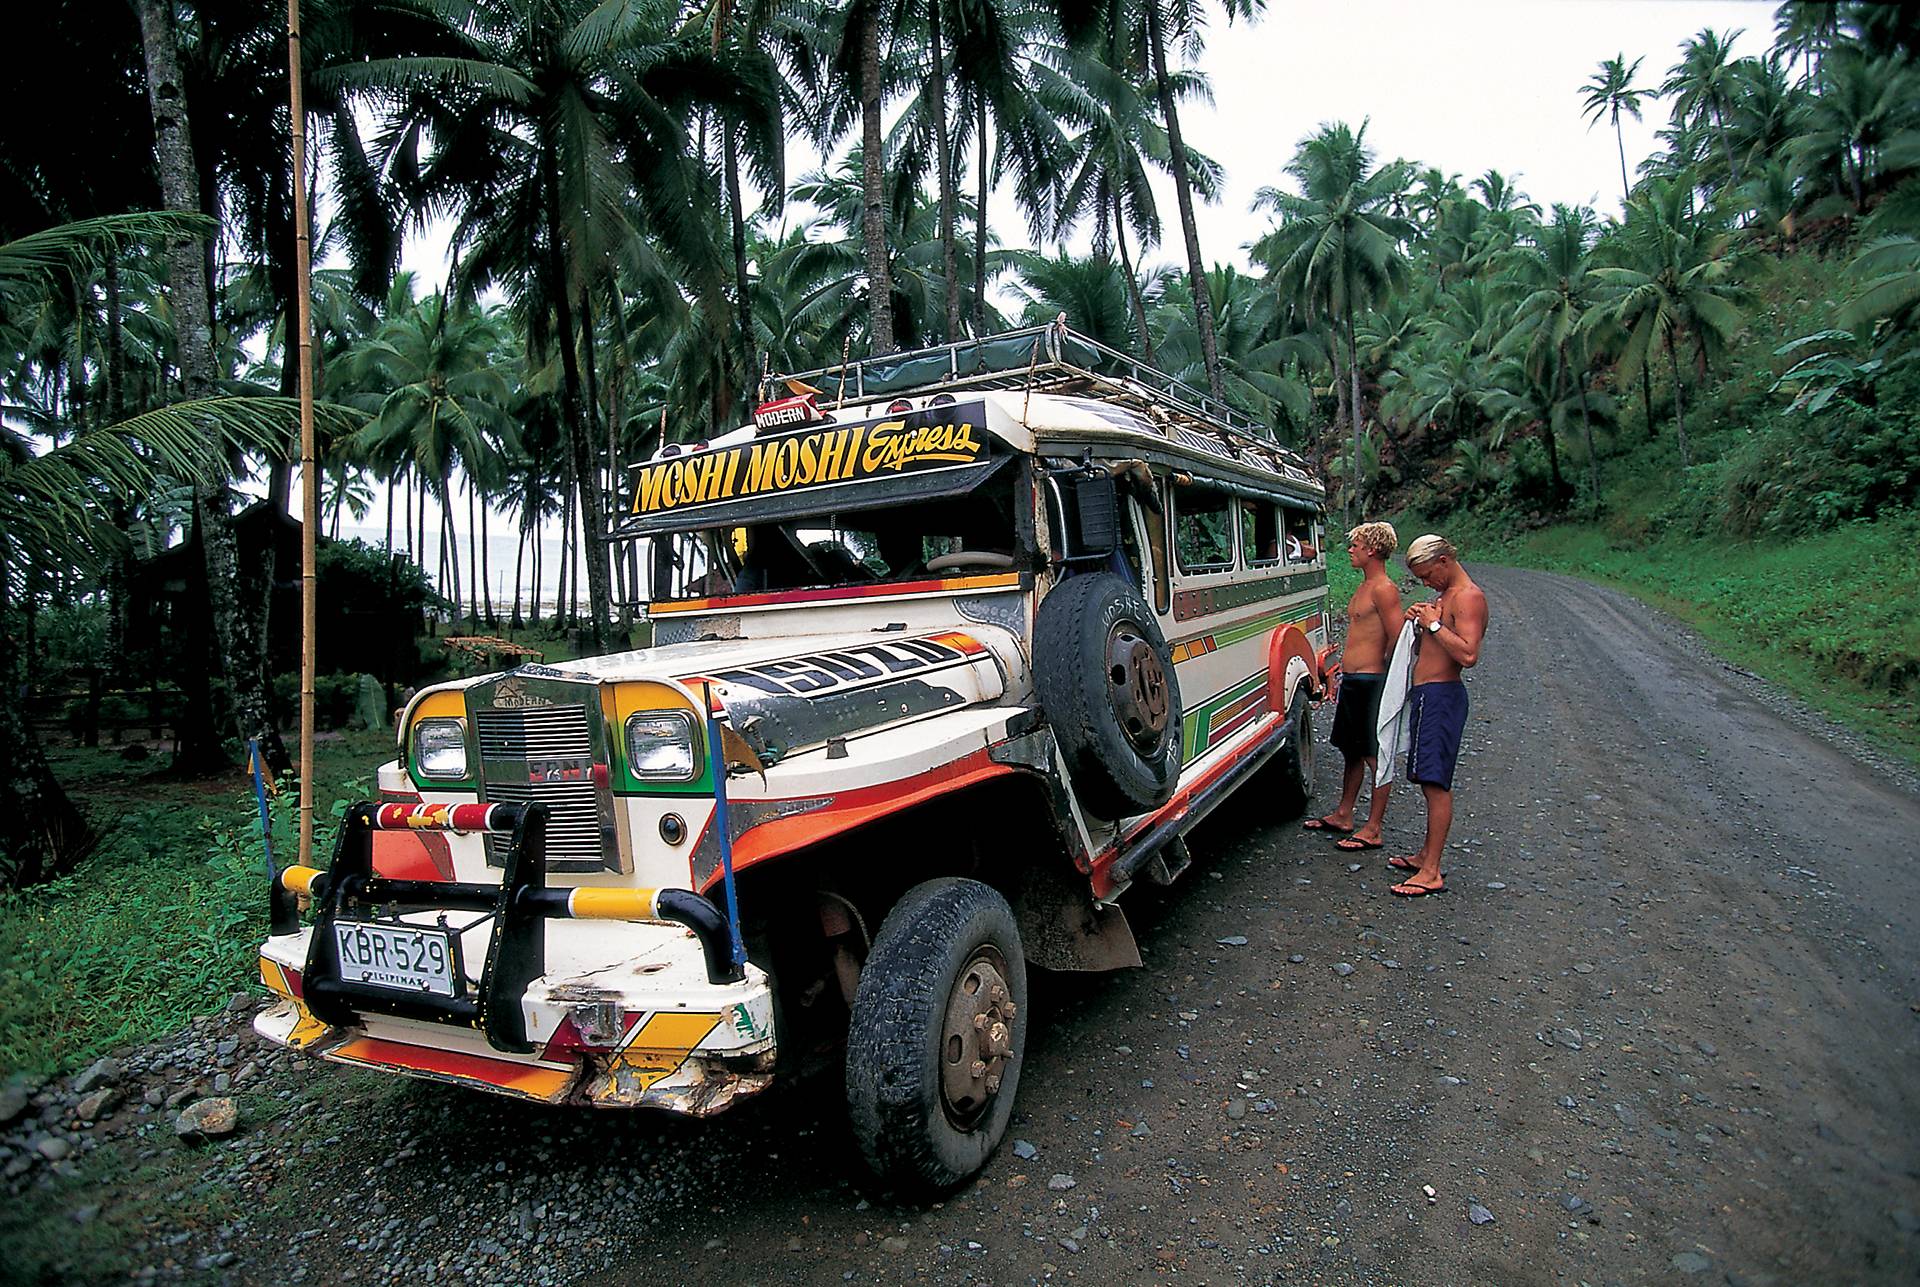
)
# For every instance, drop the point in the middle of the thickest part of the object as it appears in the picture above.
(1391, 728)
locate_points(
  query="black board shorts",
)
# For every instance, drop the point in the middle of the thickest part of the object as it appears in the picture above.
(1355, 733)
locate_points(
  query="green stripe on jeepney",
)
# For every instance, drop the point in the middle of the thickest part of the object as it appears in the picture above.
(1194, 724)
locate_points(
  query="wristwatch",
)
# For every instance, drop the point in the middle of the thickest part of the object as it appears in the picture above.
(1433, 627)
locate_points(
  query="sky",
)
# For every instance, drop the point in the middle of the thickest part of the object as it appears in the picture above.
(1465, 85)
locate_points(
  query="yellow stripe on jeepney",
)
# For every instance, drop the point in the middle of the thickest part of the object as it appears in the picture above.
(306, 1028)
(589, 903)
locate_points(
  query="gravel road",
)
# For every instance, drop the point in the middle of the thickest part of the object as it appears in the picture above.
(1661, 1028)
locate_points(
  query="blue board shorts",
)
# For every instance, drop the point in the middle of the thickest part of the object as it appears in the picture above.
(1436, 715)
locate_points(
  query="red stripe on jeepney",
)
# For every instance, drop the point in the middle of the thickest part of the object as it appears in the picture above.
(776, 597)
(534, 1082)
(858, 807)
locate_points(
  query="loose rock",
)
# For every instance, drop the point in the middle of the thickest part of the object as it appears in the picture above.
(207, 1119)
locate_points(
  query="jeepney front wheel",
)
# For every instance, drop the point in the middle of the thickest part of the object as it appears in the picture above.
(938, 1032)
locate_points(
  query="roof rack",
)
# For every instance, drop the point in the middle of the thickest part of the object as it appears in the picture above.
(1052, 358)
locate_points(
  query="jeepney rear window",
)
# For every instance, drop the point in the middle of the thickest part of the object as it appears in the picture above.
(1303, 544)
(1203, 528)
(1259, 530)
(953, 536)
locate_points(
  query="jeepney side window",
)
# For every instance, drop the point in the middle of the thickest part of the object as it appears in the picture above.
(1156, 521)
(1203, 529)
(1303, 538)
(1259, 531)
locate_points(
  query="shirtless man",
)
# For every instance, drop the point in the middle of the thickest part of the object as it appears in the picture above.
(1447, 635)
(1373, 618)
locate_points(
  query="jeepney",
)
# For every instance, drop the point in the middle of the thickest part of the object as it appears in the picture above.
(949, 650)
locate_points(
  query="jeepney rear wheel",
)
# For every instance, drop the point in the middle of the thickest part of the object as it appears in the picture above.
(938, 1032)
(1291, 770)
(1105, 679)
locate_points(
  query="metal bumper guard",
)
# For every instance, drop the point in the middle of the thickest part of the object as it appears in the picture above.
(662, 1028)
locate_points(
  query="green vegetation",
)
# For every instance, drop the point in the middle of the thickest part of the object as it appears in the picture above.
(164, 921)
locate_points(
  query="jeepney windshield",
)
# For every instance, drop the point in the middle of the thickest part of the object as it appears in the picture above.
(913, 541)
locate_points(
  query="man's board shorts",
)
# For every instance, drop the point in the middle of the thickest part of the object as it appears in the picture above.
(1436, 714)
(1354, 734)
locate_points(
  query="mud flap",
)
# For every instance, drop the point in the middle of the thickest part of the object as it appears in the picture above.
(1062, 928)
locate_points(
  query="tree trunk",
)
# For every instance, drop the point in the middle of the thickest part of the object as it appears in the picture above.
(1626, 189)
(943, 161)
(980, 225)
(519, 564)
(1353, 404)
(389, 517)
(473, 553)
(242, 651)
(539, 571)
(449, 545)
(873, 214)
(575, 413)
(486, 569)
(742, 290)
(1183, 192)
(1133, 282)
(595, 547)
(1679, 411)
(1556, 484)
(43, 834)
(1586, 427)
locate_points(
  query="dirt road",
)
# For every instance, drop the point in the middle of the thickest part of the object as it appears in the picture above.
(1662, 1028)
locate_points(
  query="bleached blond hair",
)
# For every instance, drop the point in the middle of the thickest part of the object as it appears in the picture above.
(1376, 538)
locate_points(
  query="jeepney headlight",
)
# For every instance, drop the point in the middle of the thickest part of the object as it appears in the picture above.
(660, 746)
(440, 749)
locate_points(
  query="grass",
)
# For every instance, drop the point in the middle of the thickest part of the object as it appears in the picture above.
(164, 921)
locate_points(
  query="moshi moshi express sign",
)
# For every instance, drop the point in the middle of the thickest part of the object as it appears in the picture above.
(934, 439)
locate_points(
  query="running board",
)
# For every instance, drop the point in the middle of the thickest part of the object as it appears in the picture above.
(1168, 830)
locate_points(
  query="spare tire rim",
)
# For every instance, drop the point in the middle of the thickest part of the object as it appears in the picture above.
(1137, 685)
(976, 1041)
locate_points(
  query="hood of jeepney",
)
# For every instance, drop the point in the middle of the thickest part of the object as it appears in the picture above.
(792, 694)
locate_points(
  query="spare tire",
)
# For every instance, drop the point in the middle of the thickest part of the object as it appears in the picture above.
(1105, 680)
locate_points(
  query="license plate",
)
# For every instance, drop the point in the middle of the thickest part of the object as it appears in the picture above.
(407, 958)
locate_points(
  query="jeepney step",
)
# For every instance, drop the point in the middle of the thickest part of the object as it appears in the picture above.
(1166, 866)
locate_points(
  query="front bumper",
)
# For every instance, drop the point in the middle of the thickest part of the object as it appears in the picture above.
(632, 1022)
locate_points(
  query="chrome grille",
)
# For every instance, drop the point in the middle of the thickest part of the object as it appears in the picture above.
(533, 733)
(509, 737)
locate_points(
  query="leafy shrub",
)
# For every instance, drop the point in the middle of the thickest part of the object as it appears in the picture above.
(333, 697)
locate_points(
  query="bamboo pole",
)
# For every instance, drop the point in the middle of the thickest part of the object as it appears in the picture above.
(309, 481)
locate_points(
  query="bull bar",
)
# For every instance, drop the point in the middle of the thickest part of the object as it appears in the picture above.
(519, 906)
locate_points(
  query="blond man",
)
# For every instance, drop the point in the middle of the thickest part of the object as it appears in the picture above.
(1373, 618)
(1448, 631)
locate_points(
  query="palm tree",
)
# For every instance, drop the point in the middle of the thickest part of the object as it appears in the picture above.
(1105, 163)
(1554, 272)
(1676, 280)
(1804, 30)
(1338, 247)
(1702, 85)
(238, 627)
(57, 500)
(1866, 109)
(558, 133)
(1610, 92)
(443, 405)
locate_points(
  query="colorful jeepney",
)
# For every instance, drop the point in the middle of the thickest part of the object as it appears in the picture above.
(948, 651)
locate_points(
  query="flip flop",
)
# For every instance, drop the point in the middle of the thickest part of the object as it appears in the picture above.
(1402, 864)
(1358, 844)
(1406, 889)
(1321, 824)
